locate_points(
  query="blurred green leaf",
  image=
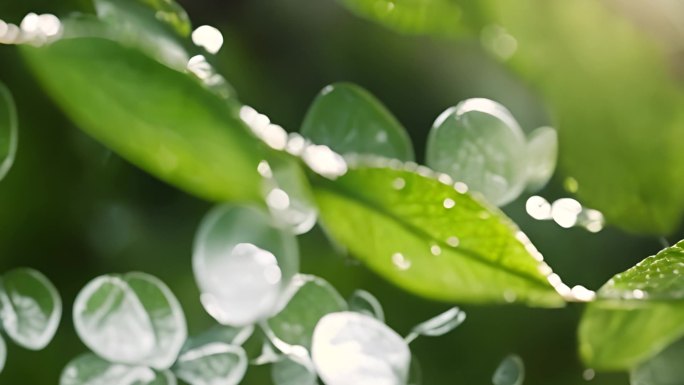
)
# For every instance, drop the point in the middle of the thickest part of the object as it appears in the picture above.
(616, 126)
(8, 130)
(348, 119)
(664, 369)
(89, 369)
(310, 298)
(637, 313)
(160, 119)
(429, 238)
(291, 372)
(31, 308)
(440, 17)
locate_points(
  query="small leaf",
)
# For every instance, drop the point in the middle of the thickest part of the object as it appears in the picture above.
(663, 369)
(242, 264)
(31, 308)
(130, 319)
(3, 353)
(160, 119)
(364, 302)
(348, 119)
(353, 348)
(290, 372)
(637, 313)
(89, 369)
(215, 363)
(542, 153)
(220, 333)
(309, 299)
(8, 131)
(439, 17)
(478, 142)
(439, 325)
(511, 371)
(433, 239)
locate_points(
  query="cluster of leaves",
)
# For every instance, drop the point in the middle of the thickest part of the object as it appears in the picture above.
(167, 110)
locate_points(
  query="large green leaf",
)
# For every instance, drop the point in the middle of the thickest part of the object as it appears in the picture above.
(162, 120)
(637, 313)
(431, 238)
(619, 111)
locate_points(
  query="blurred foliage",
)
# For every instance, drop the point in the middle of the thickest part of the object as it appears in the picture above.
(74, 210)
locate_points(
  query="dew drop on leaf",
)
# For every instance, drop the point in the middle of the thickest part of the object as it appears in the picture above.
(364, 302)
(309, 298)
(353, 348)
(479, 143)
(31, 308)
(438, 325)
(242, 264)
(8, 131)
(511, 371)
(542, 153)
(290, 372)
(130, 319)
(215, 363)
(288, 195)
(89, 369)
(208, 37)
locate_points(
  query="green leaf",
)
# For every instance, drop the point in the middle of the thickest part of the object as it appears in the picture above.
(161, 120)
(348, 119)
(89, 369)
(131, 319)
(30, 308)
(310, 299)
(432, 238)
(480, 143)
(637, 313)
(664, 369)
(440, 17)
(511, 371)
(291, 372)
(8, 131)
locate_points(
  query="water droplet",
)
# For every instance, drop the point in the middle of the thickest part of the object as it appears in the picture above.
(324, 161)
(208, 37)
(499, 42)
(538, 208)
(89, 369)
(480, 143)
(278, 199)
(364, 302)
(435, 250)
(511, 371)
(31, 308)
(130, 319)
(461, 187)
(398, 183)
(8, 130)
(565, 212)
(264, 169)
(211, 364)
(638, 294)
(588, 374)
(510, 296)
(207, 75)
(400, 261)
(242, 263)
(582, 294)
(453, 241)
(449, 203)
(352, 348)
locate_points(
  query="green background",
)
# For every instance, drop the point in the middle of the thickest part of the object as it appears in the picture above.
(74, 210)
